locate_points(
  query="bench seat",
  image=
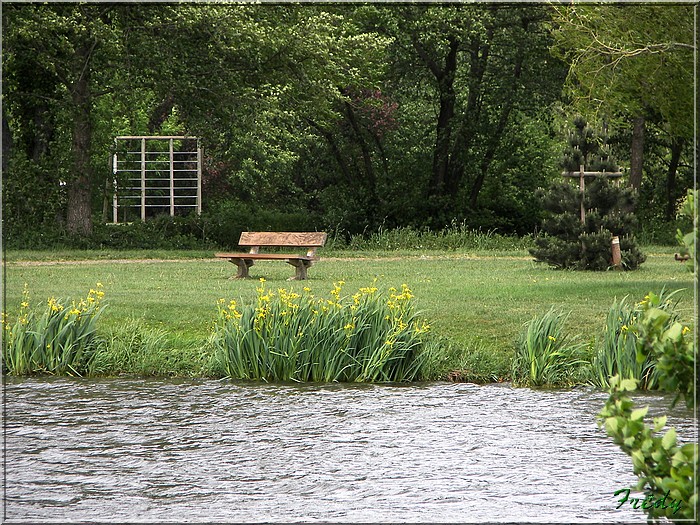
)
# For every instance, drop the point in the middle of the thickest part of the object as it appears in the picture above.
(255, 240)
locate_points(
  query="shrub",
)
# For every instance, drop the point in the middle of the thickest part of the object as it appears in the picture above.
(567, 241)
(369, 337)
(688, 241)
(60, 340)
(545, 355)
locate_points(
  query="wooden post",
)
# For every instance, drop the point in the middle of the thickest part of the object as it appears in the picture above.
(616, 255)
(172, 179)
(200, 154)
(582, 188)
(143, 179)
(115, 203)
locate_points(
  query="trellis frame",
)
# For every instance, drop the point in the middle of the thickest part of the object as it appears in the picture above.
(194, 196)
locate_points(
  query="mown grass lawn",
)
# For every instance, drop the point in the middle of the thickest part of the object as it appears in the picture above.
(479, 302)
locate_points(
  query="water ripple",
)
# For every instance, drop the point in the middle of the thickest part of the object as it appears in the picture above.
(201, 451)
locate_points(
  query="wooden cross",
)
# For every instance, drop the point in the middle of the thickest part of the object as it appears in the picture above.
(581, 174)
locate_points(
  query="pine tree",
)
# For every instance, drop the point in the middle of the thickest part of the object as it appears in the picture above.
(565, 241)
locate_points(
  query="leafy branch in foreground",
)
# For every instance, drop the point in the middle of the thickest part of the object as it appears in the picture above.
(666, 469)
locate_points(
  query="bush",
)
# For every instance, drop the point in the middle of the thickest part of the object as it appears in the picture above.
(688, 241)
(61, 340)
(287, 336)
(566, 242)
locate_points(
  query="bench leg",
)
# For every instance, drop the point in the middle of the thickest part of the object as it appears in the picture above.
(301, 268)
(243, 266)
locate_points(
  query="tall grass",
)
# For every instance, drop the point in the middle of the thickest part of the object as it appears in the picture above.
(135, 348)
(617, 354)
(457, 236)
(289, 336)
(59, 340)
(545, 355)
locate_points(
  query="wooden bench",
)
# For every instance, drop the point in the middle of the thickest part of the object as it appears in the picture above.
(255, 240)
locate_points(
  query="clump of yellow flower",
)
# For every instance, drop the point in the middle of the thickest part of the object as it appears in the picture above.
(294, 335)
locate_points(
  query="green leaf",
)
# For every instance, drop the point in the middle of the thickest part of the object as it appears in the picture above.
(675, 333)
(659, 423)
(669, 439)
(639, 413)
(638, 459)
(611, 425)
(628, 385)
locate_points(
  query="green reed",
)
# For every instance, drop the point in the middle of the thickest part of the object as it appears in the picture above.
(370, 336)
(59, 340)
(545, 355)
(617, 354)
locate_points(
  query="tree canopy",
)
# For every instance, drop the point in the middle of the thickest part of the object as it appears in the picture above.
(354, 116)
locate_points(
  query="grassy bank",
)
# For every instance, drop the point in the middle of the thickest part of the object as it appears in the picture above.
(477, 302)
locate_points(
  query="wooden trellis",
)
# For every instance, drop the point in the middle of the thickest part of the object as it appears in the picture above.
(155, 175)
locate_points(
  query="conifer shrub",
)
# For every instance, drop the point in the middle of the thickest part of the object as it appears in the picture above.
(567, 242)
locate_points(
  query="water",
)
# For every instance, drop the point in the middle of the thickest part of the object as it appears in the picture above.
(140, 450)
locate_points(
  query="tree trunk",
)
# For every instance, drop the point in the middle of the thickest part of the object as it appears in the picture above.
(6, 142)
(479, 52)
(497, 133)
(445, 77)
(676, 150)
(79, 217)
(637, 153)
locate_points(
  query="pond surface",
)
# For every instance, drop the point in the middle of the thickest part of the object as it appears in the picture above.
(140, 450)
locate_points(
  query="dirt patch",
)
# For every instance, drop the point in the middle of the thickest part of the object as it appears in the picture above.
(87, 262)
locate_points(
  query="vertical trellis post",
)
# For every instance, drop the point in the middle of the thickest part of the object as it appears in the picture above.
(200, 156)
(172, 179)
(143, 179)
(115, 159)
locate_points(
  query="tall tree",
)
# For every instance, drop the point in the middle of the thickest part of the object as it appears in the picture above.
(483, 63)
(60, 47)
(631, 63)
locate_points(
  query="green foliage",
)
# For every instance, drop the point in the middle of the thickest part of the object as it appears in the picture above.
(618, 355)
(133, 347)
(688, 241)
(568, 242)
(288, 336)
(664, 466)
(545, 355)
(453, 237)
(670, 344)
(629, 59)
(60, 340)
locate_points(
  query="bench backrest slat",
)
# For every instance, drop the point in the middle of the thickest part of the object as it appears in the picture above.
(305, 239)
